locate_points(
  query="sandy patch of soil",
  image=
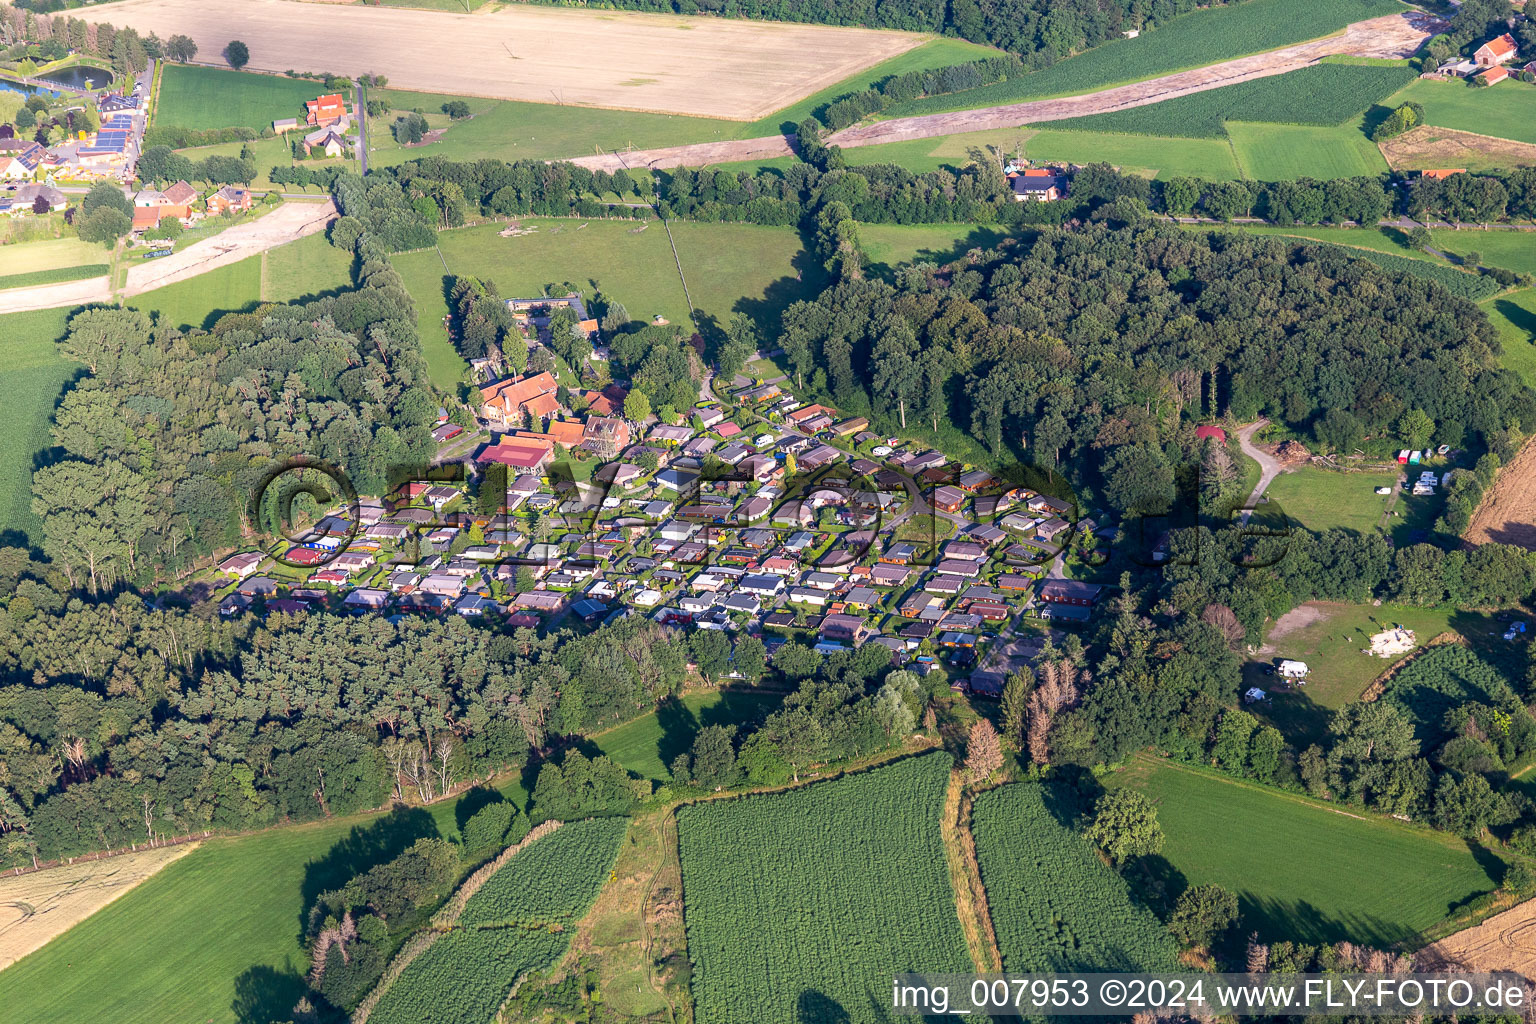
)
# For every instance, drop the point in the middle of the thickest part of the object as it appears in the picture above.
(1427, 146)
(1507, 513)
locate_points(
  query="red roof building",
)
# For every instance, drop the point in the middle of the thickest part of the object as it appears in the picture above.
(1495, 51)
(1442, 172)
(326, 110)
(1494, 75)
(1209, 431)
(518, 453)
(507, 400)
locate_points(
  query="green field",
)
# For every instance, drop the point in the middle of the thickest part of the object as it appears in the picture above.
(193, 303)
(730, 268)
(310, 266)
(1322, 94)
(886, 245)
(1303, 869)
(647, 745)
(1321, 499)
(49, 254)
(800, 905)
(1282, 152)
(1056, 906)
(35, 374)
(1515, 317)
(1189, 41)
(201, 98)
(1506, 110)
(1134, 154)
(1513, 250)
(58, 275)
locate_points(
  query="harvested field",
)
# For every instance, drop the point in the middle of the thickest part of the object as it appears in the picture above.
(711, 67)
(1504, 942)
(1507, 513)
(1428, 146)
(36, 907)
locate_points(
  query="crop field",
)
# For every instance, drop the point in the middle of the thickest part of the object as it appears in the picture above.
(49, 254)
(1281, 152)
(1384, 881)
(36, 907)
(35, 375)
(1134, 154)
(1189, 41)
(520, 920)
(799, 905)
(1514, 316)
(1055, 905)
(1513, 250)
(1506, 110)
(193, 302)
(55, 276)
(712, 67)
(200, 98)
(1323, 94)
(647, 745)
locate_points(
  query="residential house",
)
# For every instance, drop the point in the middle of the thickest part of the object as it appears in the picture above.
(1494, 75)
(330, 140)
(975, 480)
(325, 110)
(242, 564)
(1050, 528)
(762, 584)
(708, 415)
(753, 509)
(24, 199)
(230, 199)
(851, 426)
(1039, 184)
(20, 158)
(518, 454)
(958, 567)
(619, 474)
(747, 604)
(667, 433)
(941, 583)
(1073, 592)
(821, 455)
(541, 600)
(1495, 51)
(507, 402)
(948, 499)
(808, 595)
(1015, 581)
(844, 627)
(886, 575)
(367, 599)
(607, 436)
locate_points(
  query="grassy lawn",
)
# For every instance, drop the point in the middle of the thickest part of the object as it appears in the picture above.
(1305, 870)
(1320, 498)
(1152, 156)
(648, 745)
(890, 244)
(1513, 250)
(197, 97)
(1274, 152)
(35, 375)
(310, 266)
(1515, 317)
(1189, 41)
(742, 268)
(1506, 110)
(213, 937)
(267, 154)
(423, 275)
(194, 303)
(49, 254)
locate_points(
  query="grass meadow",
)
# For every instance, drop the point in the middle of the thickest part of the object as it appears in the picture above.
(1280, 152)
(1506, 110)
(35, 375)
(1150, 156)
(1191, 40)
(196, 301)
(886, 245)
(648, 745)
(1303, 869)
(212, 938)
(201, 98)
(1515, 317)
(49, 254)
(1320, 499)
(309, 266)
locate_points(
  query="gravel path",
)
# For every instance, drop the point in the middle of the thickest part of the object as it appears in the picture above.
(287, 223)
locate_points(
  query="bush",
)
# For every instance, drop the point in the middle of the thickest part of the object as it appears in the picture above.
(456, 109)
(494, 825)
(105, 225)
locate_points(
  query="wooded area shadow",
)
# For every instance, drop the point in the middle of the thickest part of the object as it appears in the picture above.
(364, 847)
(1156, 882)
(472, 801)
(815, 1007)
(1301, 921)
(979, 238)
(767, 310)
(1518, 315)
(679, 726)
(264, 994)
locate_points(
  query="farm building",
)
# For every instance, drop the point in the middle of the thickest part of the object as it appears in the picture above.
(1038, 184)
(1495, 51)
(325, 110)
(230, 199)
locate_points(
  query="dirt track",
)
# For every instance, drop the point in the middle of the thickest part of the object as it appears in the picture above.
(707, 67)
(285, 224)
(50, 296)
(1394, 35)
(1507, 513)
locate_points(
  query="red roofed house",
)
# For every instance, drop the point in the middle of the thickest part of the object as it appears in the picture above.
(1494, 75)
(519, 453)
(810, 411)
(230, 198)
(506, 402)
(1442, 172)
(607, 435)
(565, 432)
(1209, 431)
(1495, 51)
(326, 110)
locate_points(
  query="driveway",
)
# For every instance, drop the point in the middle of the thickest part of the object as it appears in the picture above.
(1269, 466)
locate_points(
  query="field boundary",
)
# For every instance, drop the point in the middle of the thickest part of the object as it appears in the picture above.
(1379, 684)
(965, 877)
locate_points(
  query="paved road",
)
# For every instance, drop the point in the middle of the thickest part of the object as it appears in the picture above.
(1395, 35)
(1269, 466)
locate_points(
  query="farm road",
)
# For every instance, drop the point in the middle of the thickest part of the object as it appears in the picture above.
(1395, 35)
(287, 223)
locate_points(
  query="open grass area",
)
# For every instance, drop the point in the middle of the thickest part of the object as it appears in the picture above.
(35, 375)
(266, 154)
(1192, 40)
(648, 745)
(886, 245)
(1506, 110)
(1327, 95)
(423, 275)
(213, 937)
(1320, 499)
(1515, 317)
(743, 268)
(1306, 870)
(1281, 152)
(310, 266)
(49, 254)
(195, 302)
(200, 98)
(1513, 250)
(1134, 154)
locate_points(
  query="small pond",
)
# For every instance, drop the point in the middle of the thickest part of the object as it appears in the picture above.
(74, 77)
